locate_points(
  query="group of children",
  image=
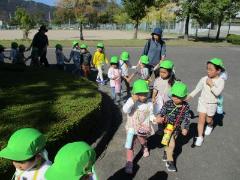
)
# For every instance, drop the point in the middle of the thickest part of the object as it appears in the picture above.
(168, 107)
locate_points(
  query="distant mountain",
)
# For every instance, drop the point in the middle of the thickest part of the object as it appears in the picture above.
(8, 7)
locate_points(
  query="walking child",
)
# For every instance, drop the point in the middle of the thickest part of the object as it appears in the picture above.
(75, 56)
(124, 65)
(174, 113)
(114, 74)
(85, 60)
(211, 87)
(26, 150)
(139, 110)
(60, 57)
(13, 51)
(99, 59)
(162, 85)
(2, 55)
(20, 57)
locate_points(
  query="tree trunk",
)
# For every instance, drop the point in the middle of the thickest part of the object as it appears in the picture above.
(25, 34)
(196, 34)
(219, 28)
(229, 26)
(81, 31)
(186, 26)
(209, 30)
(135, 30)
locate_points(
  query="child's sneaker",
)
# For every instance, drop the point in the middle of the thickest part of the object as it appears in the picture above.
(199, 141)
(98, 80)
(145, 152)
(129, 167)
(164, 158)
(208, 130)
(170, 166)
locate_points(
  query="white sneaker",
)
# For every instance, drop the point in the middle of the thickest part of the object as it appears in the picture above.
(208, 130)
(199, 141)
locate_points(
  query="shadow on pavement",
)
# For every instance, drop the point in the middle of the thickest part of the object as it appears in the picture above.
(160, 175)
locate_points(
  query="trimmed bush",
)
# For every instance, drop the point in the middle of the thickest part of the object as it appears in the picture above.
(58, 104)
(233, 38)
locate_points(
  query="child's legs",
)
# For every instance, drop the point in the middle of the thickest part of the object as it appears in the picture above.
(170, 148)
(210, 120)
(142, 141)
(201, 123)
(130, 152)
(100, 73)
(113, 92)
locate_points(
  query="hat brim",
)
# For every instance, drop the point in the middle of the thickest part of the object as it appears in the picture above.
(15, 156)
(125, 59)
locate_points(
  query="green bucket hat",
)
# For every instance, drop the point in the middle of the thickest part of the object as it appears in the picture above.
(74, 43)
(72, 161)
(23, 145)
(83, 46)
(217, 61)
(100, 45)
(179, 89)
(114, 60)
(166, 64)
(140, 86)
(144, 59)
(125, 56)
(14, 45)
(58, 46)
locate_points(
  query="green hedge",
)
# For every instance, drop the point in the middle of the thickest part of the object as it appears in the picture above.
(60, 105)
(233, 38)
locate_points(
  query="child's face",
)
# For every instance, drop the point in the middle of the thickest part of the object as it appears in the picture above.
(142, 65)
(177, 100)
(212, 72)
(164, 74)
(23, 165)
(114, 66)
(142, 97)
(100, 49)
(83, 50)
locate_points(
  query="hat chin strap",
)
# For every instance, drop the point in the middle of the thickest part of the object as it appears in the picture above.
(44, 154)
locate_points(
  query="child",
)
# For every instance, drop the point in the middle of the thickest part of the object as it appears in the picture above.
(174, 112)
(211, 86)
(20, 58)
(75, 56)
(99, 59)
(35, 62)
(26, 150)
(138, 110)
(114, 74)
(124, 65)
(85, 60)
(2, 56)
(162, 85)
(143, 72)
(13, 52)
(61, 58)
(73, 161)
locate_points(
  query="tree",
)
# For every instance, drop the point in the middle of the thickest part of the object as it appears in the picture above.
(121, 18)
(25, 21)
(136, 10)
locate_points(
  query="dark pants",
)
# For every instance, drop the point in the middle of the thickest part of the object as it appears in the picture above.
(43, 58)
(128, 88)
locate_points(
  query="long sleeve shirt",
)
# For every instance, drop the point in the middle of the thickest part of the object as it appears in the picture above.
(172, 112)
(75, 55)
(208, 94)
(99, 59)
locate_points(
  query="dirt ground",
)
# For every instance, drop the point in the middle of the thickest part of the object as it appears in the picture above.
(73, 34)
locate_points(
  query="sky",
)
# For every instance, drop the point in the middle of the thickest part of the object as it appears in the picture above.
(49, 2)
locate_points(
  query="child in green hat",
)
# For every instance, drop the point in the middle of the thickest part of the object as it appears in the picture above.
(2, 55)
(75, 56)
(114, 74)
(99, 59)
(85, 60)
(13, 51)
(139, 111)
(211, 87)
(174, 113)
(74, 161)
(26, 149)
(60, 57)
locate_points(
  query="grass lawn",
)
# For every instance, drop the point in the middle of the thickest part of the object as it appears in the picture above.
(129, 43)
(49, 100)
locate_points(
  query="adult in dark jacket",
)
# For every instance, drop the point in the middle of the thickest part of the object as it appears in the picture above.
(155, 49)
(40, 41)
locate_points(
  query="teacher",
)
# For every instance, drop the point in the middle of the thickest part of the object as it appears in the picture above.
(155, 49)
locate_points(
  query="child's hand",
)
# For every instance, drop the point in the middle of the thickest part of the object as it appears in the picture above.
(209, 82)
(159, 119)
(188, 98)
(134, 98)
(184, 132)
